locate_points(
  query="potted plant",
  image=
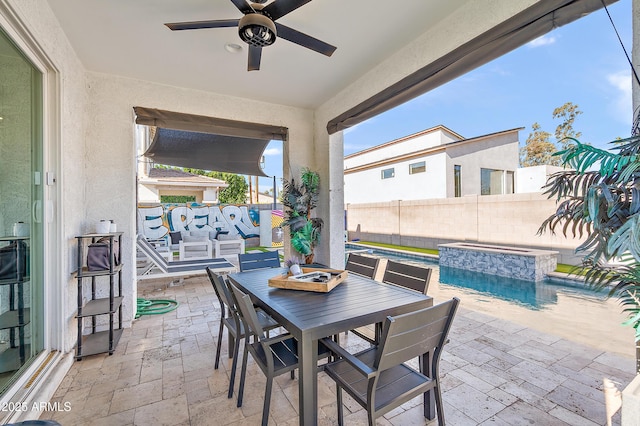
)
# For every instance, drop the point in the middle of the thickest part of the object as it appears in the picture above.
(294, 266)
(299, 200)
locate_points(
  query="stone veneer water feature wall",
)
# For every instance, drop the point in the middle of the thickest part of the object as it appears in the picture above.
(510, 262)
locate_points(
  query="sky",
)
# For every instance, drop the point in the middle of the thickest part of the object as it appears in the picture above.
(581, 62)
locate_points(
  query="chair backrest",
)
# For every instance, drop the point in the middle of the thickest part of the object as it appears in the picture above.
(221, 289)
(409, 276)
(247, 313)
(362, 265)
(410, 335)
(250, 261)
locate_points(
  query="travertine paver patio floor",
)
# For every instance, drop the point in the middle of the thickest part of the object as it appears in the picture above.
(493, 372)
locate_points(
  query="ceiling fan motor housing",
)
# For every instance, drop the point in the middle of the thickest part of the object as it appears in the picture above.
(257, 30)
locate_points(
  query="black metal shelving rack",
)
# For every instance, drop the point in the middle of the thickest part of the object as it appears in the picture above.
(18, 316)
(99, 341)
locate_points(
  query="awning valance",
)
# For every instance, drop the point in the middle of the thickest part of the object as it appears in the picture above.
(525, 26)
(204, 124)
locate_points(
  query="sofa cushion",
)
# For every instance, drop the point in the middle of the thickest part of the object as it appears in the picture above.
(227, 237)
(175, 237)
(195, 239)
(199, 233)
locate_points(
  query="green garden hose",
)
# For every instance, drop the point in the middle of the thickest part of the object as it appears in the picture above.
(154, 307)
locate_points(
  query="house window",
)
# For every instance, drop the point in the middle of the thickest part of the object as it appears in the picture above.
(509, 182)
(388, 173)
(457, 185)
(420, 167)
(494, 182)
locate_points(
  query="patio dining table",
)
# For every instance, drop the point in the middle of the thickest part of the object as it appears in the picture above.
(310, 316)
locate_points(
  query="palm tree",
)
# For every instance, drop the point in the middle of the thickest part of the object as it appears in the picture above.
(600, 199)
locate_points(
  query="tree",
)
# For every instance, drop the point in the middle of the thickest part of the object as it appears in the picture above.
(604, 205)
(235, 193)
(564, 132)
(538, 149)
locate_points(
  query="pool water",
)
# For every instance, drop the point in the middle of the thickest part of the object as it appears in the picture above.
(563, 308)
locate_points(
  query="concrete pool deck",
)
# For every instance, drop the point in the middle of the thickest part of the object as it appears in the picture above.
(494, 372)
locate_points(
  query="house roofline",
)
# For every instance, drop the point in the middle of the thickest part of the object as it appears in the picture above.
(406, 138)
(191, 184)
(427, 151)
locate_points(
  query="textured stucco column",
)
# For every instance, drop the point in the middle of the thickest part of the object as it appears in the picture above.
(636, 54)
(329, 163)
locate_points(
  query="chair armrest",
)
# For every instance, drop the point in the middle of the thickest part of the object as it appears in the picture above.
(348, 357)
(276, 339)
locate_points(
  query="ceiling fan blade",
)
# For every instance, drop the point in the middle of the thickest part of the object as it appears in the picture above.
(196, 25)
(255, 53)
(304, 40)
(243, 6)
(279, 8)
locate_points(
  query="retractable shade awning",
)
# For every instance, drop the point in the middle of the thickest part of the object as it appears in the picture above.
(208, 143)
(535, 21)
(207, 151)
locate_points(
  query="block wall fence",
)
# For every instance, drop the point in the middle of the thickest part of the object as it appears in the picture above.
(510, 220)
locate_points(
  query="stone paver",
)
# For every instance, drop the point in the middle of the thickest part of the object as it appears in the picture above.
(493, 372)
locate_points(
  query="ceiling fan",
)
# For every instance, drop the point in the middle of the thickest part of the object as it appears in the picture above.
(258, 28)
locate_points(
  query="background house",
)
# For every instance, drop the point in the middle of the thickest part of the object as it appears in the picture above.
(434, 163)
(158, 182)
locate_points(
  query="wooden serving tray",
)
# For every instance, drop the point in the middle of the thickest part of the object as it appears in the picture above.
(283, 281)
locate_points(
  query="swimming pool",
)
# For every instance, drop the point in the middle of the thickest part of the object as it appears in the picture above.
(534, 295)
(561, 307)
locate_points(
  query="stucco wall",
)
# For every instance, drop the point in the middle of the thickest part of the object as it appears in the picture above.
(367, 185)
(498, 152)
(498, 219)
(636, 54)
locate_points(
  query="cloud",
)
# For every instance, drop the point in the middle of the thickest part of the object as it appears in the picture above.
(355, 127)
(544, 40)
(272, 151)
(620, 104)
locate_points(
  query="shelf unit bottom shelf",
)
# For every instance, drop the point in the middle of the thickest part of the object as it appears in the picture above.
(98, 343)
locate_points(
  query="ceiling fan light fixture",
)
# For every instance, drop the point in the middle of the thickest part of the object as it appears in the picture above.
(257, 30)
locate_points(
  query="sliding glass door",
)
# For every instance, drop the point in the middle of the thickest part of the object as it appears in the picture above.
(21, 228)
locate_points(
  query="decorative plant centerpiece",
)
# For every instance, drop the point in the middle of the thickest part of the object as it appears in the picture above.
(294, 265)
(298, 201)
(600, 199)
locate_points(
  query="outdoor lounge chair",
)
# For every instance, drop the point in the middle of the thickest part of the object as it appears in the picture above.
(378, 378)
(180, 268)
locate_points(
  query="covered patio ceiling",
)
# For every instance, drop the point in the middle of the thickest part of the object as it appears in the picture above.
(129, 38)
